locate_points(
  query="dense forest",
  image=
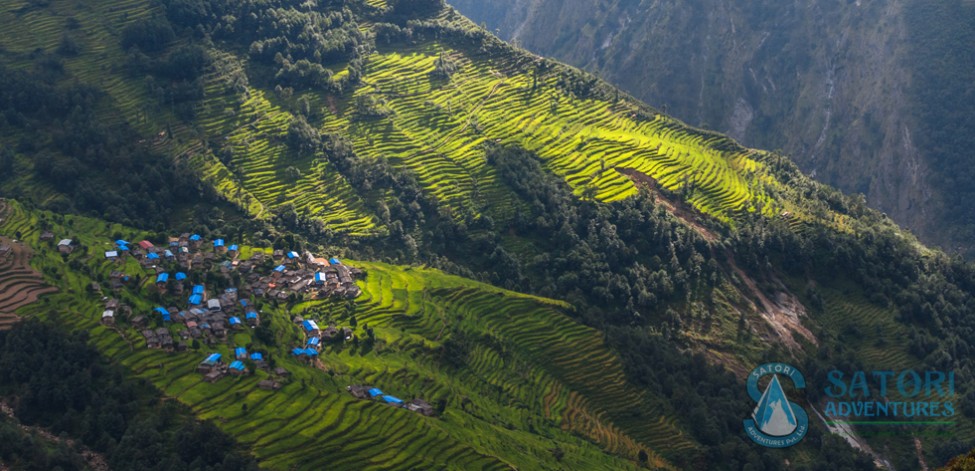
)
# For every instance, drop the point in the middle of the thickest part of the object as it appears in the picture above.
(55, 380)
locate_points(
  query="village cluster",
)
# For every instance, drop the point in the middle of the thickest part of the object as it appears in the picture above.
(208, 315)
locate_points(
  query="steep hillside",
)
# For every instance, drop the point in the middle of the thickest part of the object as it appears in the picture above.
(630, 269)
(857, 92)
(526, 381)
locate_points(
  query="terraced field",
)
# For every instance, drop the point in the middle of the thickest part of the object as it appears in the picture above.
(19, 284)
(253, 129)
(880, 340)
(527, 377)
(437, 128)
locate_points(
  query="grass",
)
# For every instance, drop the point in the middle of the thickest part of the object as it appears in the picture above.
(530, 379)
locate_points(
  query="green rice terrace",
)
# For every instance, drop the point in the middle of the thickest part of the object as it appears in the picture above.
(536, 381)
(428, 107)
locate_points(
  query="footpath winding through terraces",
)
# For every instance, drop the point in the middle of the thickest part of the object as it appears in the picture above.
(20, 285)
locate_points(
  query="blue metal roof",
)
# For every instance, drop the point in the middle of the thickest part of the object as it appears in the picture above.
(311, 352)
(218, 243)
(213, 358)
(161, 310)
(198, 289)
(196, 299)
(195, 237)
(251, 315)
(121, 242)
(334, 261)
(152, 256)
(180, 276)
(234, 320)
(240, 351)
(257, 356)
(392, 400)
(279, 268)
(239, 366)
(232, 247)
(319, 277)
(292, 254)
(375, 392)
(123, 247)
(314, 341)
(298, 351)
(168, 254)
(162, 278)
(310, 325)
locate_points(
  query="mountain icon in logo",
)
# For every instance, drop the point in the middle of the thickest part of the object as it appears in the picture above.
(773, 415)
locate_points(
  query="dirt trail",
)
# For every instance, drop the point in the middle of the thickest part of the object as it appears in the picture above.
(687, 214)
(783, 314)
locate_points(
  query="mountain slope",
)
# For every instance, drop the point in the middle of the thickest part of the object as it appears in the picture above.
(856, 92)
(383, 133)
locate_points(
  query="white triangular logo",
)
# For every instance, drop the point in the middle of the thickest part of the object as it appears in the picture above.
(774, 415)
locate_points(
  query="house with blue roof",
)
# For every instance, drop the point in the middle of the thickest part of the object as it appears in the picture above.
(196, 300)
(314, 341)
(237, 368)
(334, 261)
(198, 289)
(180, 276)
(219, 247)
(311, 327)
(162, 278)
(235, 322)
(393, 401)
(152, 256)
(319, 278)
(168, 254)
(240, 353)
(292, 255)
(195, 238)
(297, 351)
(121, 242)
(279, 269)
(375, 392)
(311, 352)
(252, 318)
(257, 356)
(232, 248)
(164, 313)
(211, 362)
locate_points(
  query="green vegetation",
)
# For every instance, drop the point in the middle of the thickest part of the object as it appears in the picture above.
(61, 383)
(674, 251)
(412, 325)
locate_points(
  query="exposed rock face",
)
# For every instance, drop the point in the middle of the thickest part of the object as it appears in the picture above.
(824, 81)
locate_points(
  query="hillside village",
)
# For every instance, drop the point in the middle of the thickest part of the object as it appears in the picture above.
(208, 292)
(197, 282)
